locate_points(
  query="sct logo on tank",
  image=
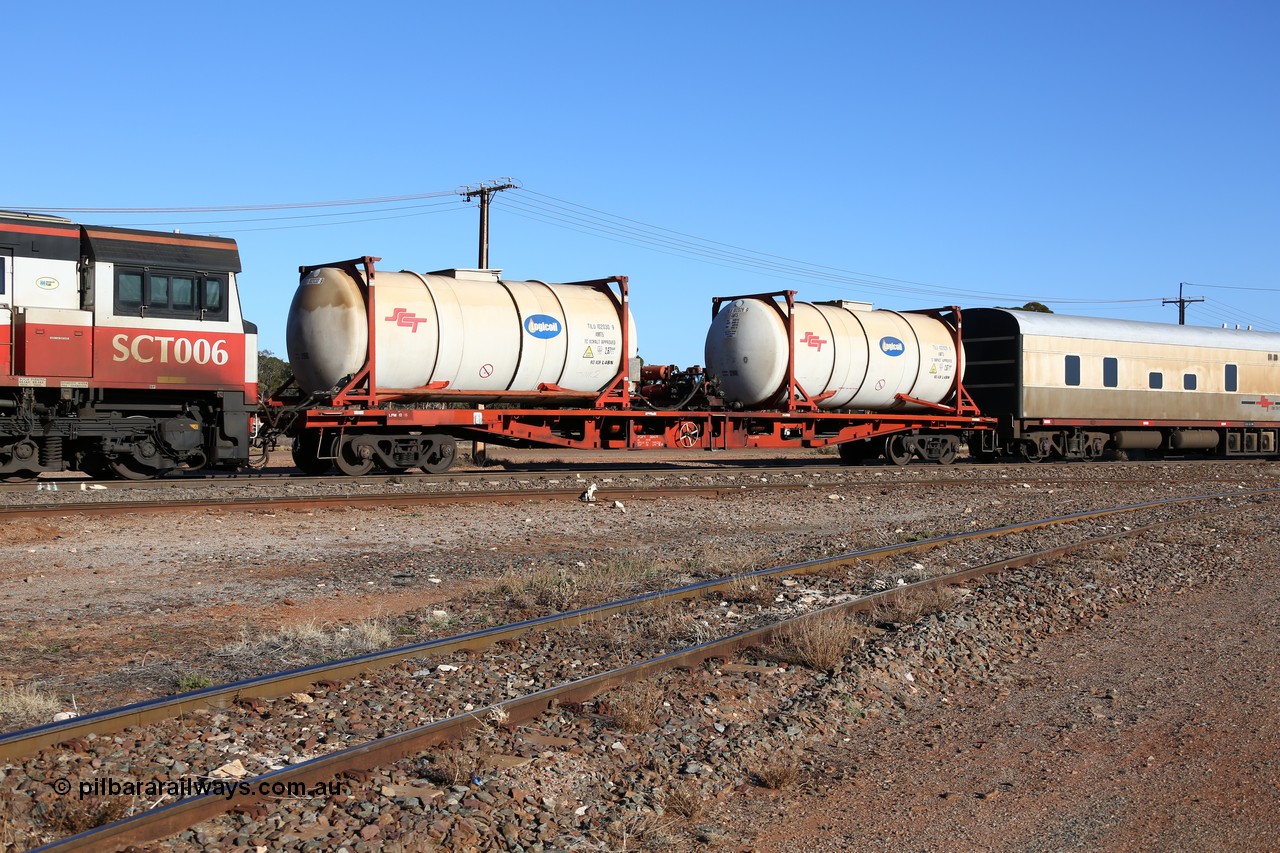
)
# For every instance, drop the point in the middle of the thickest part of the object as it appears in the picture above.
(542, 326)
(890, 345)
(169, 349)
(47, 282)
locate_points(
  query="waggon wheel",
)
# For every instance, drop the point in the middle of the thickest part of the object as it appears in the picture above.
(350, 462)
(949, 452)
(1030, 451)
(895, 450)
(446, 451)
(853, 452)
(19, 476)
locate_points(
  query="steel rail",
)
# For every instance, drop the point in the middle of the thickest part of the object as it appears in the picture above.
(297, 503)
(586, 474)
(27, 741)
(305, 502)
(168, 820)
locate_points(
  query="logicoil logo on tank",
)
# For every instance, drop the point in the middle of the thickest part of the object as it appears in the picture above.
(542, 326)
(890, 345)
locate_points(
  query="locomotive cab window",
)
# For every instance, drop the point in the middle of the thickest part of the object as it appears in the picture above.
(1073, 370)
(1231, 378)
(160, 293)
(1110, 372)
(214, 303)
(1155, 380)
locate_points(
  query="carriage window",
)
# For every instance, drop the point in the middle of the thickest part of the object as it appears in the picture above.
(1156, 380)
(1110, 372)
(1073, 370)
(1231, 377)
(1188, 382)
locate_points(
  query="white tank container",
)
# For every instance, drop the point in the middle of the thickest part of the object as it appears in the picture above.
(865, 357)
(464, 327)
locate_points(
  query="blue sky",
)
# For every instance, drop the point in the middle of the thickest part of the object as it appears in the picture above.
(914, 154)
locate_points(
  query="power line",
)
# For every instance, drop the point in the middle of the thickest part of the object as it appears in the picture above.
(353, 202)
(583, 219)
(185, 223)
(1234, 287)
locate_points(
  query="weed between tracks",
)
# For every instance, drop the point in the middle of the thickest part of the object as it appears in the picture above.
(905, 608)
(820, 642)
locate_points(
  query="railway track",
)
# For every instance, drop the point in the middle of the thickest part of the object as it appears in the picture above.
(388, 748)
(544, 474)
(487, 487)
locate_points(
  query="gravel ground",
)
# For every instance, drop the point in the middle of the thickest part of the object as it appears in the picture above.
(117, 606)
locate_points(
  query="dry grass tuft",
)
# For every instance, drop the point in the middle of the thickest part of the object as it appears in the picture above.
(819, 642)
(451, 766)
(26, 706)
(560, 588)
(71, 816)
(635, 706)
(636, 831)
(778, 773)
(905, 608)
(313, 641)
(684, 800)
(759, 591)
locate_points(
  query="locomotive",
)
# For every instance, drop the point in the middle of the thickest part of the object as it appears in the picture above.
(125, 354)
(122, 352)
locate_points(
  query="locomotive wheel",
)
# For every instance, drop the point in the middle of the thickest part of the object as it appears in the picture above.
(895, 450)
(128, 468)
(350, 462)
(446, 451)
(96, 466)
(306, 455)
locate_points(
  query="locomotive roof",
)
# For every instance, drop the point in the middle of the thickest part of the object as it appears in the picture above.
(33, 217)
(1130, 331)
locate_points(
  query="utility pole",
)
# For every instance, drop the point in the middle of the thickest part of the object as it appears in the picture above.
(483, 192)
(479, 450)
(1181, 302)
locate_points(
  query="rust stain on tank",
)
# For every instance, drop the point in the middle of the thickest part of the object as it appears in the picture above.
(335, 290)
